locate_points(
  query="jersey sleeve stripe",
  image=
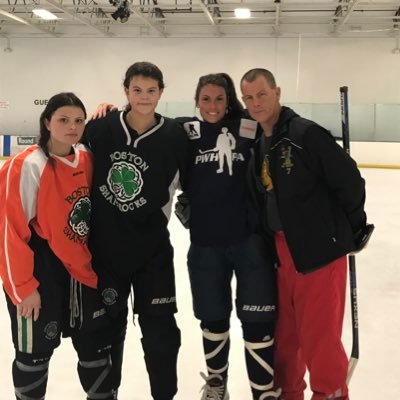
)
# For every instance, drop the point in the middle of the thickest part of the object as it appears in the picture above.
(28, 200)
(172, 188)
(31, 172)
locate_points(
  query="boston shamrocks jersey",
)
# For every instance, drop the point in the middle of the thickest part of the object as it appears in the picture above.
(216, 184)
(54, 201)
(135, 177)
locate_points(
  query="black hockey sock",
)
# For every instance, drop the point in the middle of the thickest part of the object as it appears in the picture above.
(259, 358)
(95, 377)
(30, 373)
(161, 341)
(216, 344)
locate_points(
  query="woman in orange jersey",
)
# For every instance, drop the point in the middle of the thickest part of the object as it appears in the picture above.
(45, 264)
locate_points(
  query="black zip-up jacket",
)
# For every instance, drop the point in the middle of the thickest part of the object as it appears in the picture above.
(319, 190)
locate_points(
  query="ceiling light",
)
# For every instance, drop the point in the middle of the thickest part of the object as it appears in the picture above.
(44, 14)
(242, 13)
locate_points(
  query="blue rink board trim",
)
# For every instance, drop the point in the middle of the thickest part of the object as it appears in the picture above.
(6, 145)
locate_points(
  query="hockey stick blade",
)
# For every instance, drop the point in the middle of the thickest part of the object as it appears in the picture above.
(352, 366)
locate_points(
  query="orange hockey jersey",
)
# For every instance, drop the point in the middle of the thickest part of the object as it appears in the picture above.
(54, 201)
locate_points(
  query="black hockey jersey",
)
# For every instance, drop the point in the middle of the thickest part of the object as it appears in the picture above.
(134, 180)
(216, 182)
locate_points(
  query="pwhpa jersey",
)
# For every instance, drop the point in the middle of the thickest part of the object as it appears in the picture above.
(54, 201)
(216, 181)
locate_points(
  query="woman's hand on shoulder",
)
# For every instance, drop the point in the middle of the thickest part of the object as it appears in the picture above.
(30, 305)
(102, 110)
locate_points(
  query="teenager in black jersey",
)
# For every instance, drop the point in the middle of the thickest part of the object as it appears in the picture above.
(224, 239)
(139, 159)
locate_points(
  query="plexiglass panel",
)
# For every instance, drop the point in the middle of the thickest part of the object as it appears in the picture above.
(368, 122)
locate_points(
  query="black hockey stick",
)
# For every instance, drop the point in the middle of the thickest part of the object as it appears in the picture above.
(355, 351)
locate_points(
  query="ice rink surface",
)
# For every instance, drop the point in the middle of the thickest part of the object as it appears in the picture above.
(376, 377)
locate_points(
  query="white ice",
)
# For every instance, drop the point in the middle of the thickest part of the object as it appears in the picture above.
(376, 377)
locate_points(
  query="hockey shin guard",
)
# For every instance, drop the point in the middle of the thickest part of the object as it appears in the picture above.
(117, 352)
(216, 344)
(96, 380)
(161, 341)
(30, 373)
(259, 359)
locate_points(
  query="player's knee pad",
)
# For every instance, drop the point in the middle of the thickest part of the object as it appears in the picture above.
(258, 331)
(160, 333)
(215, 326)
(30, 373)
(96, 378)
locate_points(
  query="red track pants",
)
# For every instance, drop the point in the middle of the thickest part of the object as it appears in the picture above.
(309, 329)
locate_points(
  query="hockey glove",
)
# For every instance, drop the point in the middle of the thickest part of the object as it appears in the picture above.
(182, 209)
(361, 238)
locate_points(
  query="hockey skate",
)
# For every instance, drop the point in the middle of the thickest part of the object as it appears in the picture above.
(214, 388)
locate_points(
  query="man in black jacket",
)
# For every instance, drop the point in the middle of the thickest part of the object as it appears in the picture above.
(312, 197)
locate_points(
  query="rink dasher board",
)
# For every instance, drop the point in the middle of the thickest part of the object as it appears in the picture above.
(12, 144)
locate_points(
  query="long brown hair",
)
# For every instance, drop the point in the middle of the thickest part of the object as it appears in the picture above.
(55, 102)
